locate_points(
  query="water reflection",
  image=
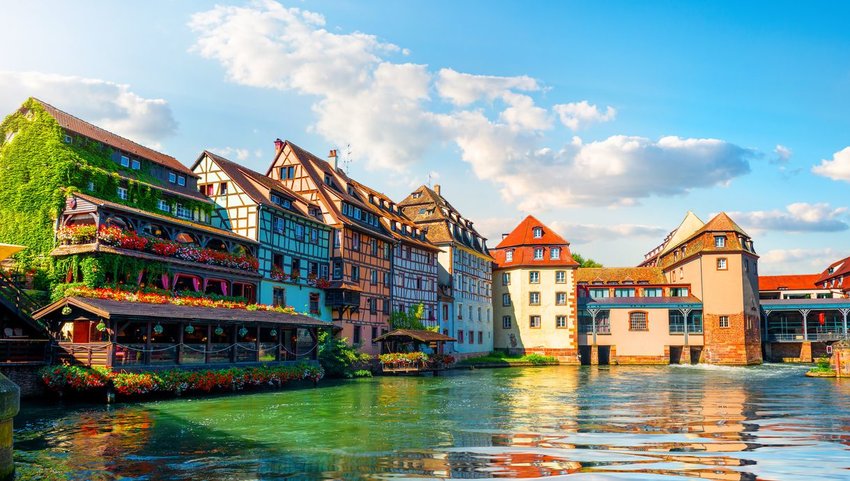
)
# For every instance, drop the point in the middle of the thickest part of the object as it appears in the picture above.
(625, 422)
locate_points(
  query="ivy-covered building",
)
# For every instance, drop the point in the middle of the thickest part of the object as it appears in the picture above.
(97, 209)
(293, 240)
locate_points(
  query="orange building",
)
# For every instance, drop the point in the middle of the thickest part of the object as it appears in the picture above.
(361, 250)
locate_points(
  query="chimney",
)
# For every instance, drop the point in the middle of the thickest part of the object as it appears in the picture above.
(437, 189)
(504, 236)
(332, 158)
(278, 146)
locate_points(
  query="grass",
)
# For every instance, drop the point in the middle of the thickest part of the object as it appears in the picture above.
(505, 359)
(822, 366)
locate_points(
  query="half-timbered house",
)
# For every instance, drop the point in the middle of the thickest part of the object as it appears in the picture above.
(414, 259)
(293, 251)
(465, 269)
(361, 249)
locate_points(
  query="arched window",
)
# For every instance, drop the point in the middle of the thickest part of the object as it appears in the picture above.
(118, 221)
(217, 245)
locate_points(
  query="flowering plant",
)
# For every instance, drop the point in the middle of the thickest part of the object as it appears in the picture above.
(278, 274)
(441, 360)
(401, 359)
(77, 234)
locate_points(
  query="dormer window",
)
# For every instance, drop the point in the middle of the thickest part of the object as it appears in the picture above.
(125, 161)
(509, 256)
(720, 241)
(538, 253)
(555, 253)
(181, 180)
(538, 232)
(328, 179)
(135, 164)
(172, 177)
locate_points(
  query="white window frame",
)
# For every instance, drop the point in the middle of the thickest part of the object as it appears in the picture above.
(125, 161)
(560, 277)
(539, 253)
(163, 205)
(537, 232)
(123, 194)
(135, 164)
(172, 177)
(506, 322)
(555, 253)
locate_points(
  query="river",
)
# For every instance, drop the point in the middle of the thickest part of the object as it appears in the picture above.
(589, 423)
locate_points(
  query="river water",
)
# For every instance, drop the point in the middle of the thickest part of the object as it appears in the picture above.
(588, 423)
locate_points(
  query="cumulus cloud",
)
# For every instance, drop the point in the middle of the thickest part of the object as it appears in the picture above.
(588, 233)
(230, 152)
(836, 169)
(109, 105)
(797, 217)
(577, 114)
(782, 155)
(797, 261)
(393, 113)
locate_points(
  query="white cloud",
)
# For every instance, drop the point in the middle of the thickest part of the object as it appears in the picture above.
(797, 217)
(229, 152)
(386, 111)
(588, 233)
(836, 169)
(109, 105)
(577, 114)
(798, 261)
(783, 155)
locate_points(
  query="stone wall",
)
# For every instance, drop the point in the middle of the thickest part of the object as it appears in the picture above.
(26, 377)
(564, 356)
(734, 345)
(9, 406)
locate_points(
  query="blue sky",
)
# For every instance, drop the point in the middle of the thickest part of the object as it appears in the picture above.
(607, 120)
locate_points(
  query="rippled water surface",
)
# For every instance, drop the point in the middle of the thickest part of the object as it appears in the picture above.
(666, 423)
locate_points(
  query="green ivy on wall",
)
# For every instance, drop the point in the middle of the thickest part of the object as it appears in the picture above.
(102, 270)
(39, 170)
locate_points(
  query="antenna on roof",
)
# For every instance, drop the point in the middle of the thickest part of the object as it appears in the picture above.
(346, 160)
(429, 179)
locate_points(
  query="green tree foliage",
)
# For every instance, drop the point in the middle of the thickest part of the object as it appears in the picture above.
(338, 359)
(582, 262)
(412, 319)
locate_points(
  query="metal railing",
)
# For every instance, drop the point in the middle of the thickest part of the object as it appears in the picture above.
(813, 336)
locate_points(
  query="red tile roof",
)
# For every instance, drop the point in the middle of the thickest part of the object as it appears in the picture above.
(790, 282)
(840, 269)
(79, 126)
(651, 275)
(522, 243)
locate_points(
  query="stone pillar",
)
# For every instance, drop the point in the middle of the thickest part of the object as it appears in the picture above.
(594, 355)
(685, 357)
(840, 361)
(10, 403)
(806, 351)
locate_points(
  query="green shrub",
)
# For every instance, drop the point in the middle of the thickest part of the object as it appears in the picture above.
(337, 358)
(361, 373)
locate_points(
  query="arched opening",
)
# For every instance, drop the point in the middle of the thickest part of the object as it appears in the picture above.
(241, 250)
(80, 219)
(217, 287)
(217, 245)
(245, 290)
(118, 221)
(187, 239)
(156, 230)
(187, 282)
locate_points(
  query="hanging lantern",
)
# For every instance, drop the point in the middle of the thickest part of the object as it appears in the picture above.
(157, 328)
(101, 326)
(66, 311)
(242, 332)
(273, 332)
(190, 329)
(219, 331)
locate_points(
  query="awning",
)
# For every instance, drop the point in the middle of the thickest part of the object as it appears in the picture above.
(8, 250)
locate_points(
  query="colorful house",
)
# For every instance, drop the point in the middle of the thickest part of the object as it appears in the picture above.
(293, 251)
(361, 250)
(465, 273)
(534, 301)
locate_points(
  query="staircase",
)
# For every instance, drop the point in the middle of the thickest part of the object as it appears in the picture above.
(19, 304)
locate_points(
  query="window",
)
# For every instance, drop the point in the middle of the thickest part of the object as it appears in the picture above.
(374, 244)
(538, 232)
(460, 336)
(561, 298)
(355, 242)
(624, 292)
(278, 297)
(506, 278)
(222, 188)
(509, 256)
(122, 193)
(356, 337)
(480, 337)
(637, 321)
(723, 321)
(337, 272)
(68, 139)
(374, 277)
(386, 251)
(598, 293)
(373, 306)
(470, 313)
(479, 314)
(135, 164)
(538, 253)
(287, 172)
(460, 310)
(561, 322)
(386, 309)
(746, 265)
(125, 161)
(534, 298)
(278, 224)
(172, 177)
(387, 278)
(679, 292)
(506, 322)
(374, 330)
(181, 180)
(445, 312)
(183, 212)
(534, 277)
(355, 273)
(164, 206)
(555, 253)
(534, 322)
(721, 264)
(560, 277)
(90, 186)
(652, 292)
(720, 241)
(295, 273)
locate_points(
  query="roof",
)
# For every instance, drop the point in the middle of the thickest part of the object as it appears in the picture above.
(165, 218)
(416, 335)
(79, 126)
(430, 210)
(636, 302)
(839, 268)
(523, 235)
(652, 275)
(688, 227)
(112, 309)
(788, 282)
(258, 186)
(791, 304)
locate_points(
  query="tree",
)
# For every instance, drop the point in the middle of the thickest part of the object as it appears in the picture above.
(337, 358)
(412, 319)
(582, 262)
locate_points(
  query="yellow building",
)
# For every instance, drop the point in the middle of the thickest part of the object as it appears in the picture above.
(534, 293)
